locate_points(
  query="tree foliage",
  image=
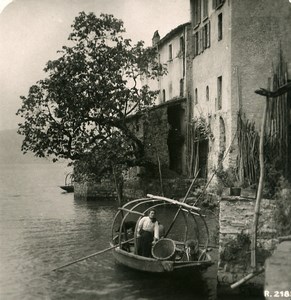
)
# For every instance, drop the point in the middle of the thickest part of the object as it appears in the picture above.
(81, 107)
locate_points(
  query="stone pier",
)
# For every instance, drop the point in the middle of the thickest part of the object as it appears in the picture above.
(235, 222)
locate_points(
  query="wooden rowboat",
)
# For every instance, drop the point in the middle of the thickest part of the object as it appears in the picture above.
(169, 253)
(154, 265)
(68, 187)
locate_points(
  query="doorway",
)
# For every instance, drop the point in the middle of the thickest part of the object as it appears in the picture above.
(175, 139)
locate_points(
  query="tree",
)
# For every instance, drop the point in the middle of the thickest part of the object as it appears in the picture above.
(80, 109)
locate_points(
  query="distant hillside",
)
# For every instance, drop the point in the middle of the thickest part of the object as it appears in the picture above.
(10, 149)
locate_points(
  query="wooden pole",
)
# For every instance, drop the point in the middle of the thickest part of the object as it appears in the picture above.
(131, 211)
(190, 207)
(246, 278)
(160, 173)
(260, 186)
(183, 201)
(91, 255)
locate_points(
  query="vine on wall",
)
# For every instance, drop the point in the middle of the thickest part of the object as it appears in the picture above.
(198, 130)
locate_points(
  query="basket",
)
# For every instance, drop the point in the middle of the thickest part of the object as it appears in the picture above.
(164, 249)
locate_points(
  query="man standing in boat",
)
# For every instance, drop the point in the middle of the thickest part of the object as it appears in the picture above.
(147, 233)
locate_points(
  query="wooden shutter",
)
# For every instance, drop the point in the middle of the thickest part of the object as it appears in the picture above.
(208, 35)
(199, 41)
(194, 45)
(204, 37)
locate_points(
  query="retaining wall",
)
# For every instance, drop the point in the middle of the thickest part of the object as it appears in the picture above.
(173, 188)
(132, 189)
(104, 190)
(235, 222)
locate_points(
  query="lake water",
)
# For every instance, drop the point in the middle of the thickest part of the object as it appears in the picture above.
(42, 228)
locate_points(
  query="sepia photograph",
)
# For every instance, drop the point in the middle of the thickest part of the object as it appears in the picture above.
(145, 149)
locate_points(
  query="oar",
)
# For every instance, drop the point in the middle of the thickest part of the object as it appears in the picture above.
(91, 255)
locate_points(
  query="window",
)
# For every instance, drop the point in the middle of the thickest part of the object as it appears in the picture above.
(196, 12)
(182, 45)
(196, 43)
(170, 52)
(205, 9)
(206, 35)
(207, 93)
(164, 95)
(196, 96)
(220, 27)
(219, 92)
(170, 90)
(200, 37)
(182, 51)
(181, 87)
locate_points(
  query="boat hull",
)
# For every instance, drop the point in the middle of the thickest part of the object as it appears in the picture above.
(152, 265)
(67, 188)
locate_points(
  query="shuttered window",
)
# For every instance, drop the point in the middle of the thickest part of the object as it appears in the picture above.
(200, 36)
(206, 35)
(202, 39)
(196, 43)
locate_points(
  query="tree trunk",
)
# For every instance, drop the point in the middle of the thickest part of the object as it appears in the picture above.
(118, 180)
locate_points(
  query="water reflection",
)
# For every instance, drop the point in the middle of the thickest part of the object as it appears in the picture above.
(163, 286)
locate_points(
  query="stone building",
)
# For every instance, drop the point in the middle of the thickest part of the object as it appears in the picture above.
(235, 48)
(168, 117)
(164, 132)
(214, 64)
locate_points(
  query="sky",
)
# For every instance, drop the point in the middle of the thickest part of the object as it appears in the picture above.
(32, 31)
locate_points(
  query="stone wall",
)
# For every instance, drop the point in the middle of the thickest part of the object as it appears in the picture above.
(235, 222)
(173, 188)
(156, 135)
(104, 190)
(133, 188)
